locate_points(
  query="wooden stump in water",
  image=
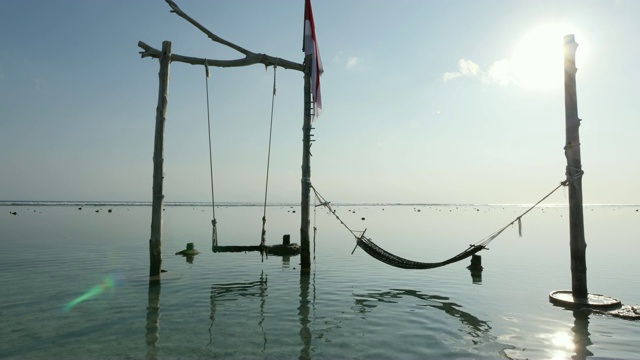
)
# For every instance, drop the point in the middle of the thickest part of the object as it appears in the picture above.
(189, 251)
(476, 263)
(476, 269)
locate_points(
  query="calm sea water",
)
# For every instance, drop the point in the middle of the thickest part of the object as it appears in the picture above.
(74, 285)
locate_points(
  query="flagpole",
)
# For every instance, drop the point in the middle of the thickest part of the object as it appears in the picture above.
(305, 255)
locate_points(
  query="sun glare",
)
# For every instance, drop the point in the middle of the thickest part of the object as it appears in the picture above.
(537, 61)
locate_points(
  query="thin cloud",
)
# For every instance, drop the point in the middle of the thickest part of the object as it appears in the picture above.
(499, 72)
(352, 62)
(349, 62)
(465, 68)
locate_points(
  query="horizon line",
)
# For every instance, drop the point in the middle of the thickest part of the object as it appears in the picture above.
(253, 203)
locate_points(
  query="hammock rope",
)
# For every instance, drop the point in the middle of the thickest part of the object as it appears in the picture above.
(266, 185)
(214, 222)
(388, 258)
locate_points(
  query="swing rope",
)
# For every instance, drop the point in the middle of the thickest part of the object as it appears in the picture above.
(266, 185)
(214, 234)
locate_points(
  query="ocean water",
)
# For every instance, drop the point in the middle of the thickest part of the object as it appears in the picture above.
(74, 284)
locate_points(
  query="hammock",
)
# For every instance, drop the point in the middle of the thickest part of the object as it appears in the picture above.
(394, 260)
(390, 259)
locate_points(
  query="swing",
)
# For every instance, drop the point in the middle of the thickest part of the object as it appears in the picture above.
(282, 250)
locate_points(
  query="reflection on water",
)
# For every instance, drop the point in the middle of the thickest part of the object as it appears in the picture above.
(286, 261)
(475, 268)
(258, 289)
(476, 327)
(476, 276)
(581, 334)
(153, 321)
(233, 291)
(564, 344)
(286, 320)
(478, 330)
(303, 314)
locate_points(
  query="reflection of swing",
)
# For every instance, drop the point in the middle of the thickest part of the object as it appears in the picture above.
(286, 248)
(231, 292)
(388, 258)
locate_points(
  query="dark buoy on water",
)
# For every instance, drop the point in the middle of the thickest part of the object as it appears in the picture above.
(190, 252)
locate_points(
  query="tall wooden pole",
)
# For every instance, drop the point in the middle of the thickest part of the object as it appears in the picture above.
(155, 242)
(574, 173)
(305, 255)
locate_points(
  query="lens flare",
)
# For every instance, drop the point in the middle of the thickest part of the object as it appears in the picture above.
(107, 283)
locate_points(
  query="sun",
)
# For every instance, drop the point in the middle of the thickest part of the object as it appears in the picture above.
(537, 61)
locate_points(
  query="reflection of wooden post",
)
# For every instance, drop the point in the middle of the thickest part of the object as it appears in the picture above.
(581, 334)
(574, 173)
(153, 321)
(303, 315)
(305, 255)
(155, 242)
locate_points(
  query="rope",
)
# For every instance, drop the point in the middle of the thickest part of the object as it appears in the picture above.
(266, 185)
(327, 204)
(519, 218)
(315, 229)
(214, 235)
(379, 253)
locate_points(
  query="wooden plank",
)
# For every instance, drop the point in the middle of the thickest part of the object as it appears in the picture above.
(279, 250)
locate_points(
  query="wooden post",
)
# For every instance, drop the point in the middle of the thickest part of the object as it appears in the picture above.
(574, 173)
(305, 255)
(155, 242)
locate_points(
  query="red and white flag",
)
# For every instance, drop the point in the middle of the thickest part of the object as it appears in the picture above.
(310, 47)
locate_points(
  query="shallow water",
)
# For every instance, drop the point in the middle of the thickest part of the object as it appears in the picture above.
(350, 306)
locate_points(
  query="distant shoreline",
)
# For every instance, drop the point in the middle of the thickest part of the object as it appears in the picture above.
(252, 204)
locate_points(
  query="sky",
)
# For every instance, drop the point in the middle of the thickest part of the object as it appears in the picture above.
(454, 101)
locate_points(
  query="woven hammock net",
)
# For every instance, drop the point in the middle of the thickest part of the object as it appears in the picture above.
(390, 259)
